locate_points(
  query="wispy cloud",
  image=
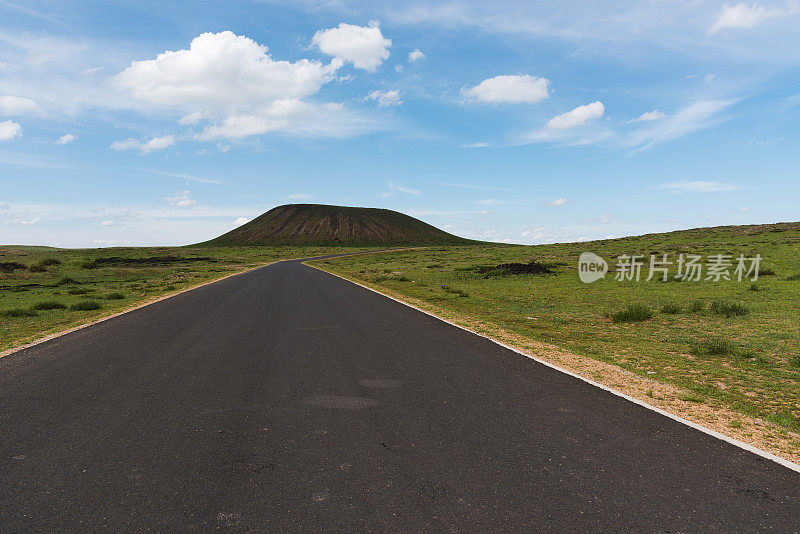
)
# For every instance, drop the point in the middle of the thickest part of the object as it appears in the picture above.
(695, 116)
(699, 186)
(742, 16)
(187, 177)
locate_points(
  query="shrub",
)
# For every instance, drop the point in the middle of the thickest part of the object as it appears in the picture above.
(766, 271)
(20, 312)
(170, 288)
(66, 280)
(697, 306)
(728, 309)
(795, 361)
(793, 277)
(670, 308)
(37, 268)
(47, 262)
(632, 314)
(48, 305)
(86, 305)
(755, 287)
(89, 264)
(114, 296)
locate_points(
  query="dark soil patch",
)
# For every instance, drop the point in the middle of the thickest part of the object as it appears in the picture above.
(505, 269)
(152, 261)
(10, 266)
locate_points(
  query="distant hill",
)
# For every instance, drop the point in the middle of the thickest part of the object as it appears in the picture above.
(318, 224)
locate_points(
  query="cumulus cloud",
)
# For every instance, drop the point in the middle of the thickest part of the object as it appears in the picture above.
(557, 202)
(577, 117)
(416, 55)
(743, 16)
(699, 186)
(512, 89)
(232, 82)
(181, 200)
(9, 130)
(385, 98)
(16, 105)
(219, 74)
(650, 116)
(66, 138)
(363, 46)
(145, 147)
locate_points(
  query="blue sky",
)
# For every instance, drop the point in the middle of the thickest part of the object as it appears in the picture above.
(147, 123)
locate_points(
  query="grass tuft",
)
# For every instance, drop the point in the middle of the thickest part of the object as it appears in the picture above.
(670, 308)
(729, 309)
(49, 305)
(114, 296)
(86, 305)
(715, 346)
(697, 306)
(634, 313)
(454, 291)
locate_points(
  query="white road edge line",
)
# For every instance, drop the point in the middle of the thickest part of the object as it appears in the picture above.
(733, 441)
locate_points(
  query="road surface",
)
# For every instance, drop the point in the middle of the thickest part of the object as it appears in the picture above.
(287, 399)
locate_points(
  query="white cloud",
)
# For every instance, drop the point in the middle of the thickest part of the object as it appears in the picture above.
(385, 98)
(512, 89)
(649, 116)
(363, 46)
(29, 222)
(708, 78)
(232, 82)
(479, 144)
(107, 223)
(577, 117)
(691, 118)
(743, 16)
(557, 202)
(220, 73)
(699, 186)
(299, 196)
(400, 189)
(16, 105)
(240, 221)
(416, 55)
(145, 147)
(181, 200)
(9, 130)
(66, 138)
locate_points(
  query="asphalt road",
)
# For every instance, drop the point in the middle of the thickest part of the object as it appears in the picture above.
(287, 399)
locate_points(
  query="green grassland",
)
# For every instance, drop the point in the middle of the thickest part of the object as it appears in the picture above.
(727, 343)
(45, 290)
